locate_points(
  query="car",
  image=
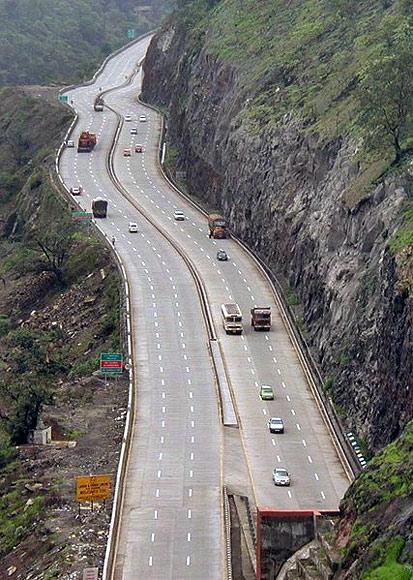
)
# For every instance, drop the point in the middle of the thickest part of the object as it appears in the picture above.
(280, 476)
(138, 148)
(128, 118)
(179, 215)
(222, 256)
(143, 118)
(70, 143)
(134, 131)
(266, 393)
(76, 190)
(127, 152)
(276, 425)
(133, 227)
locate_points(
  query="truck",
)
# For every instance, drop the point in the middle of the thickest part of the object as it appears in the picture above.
(217, 226)
(98, 104)
(99, 207)
(231, 318)
(86, 142)
(261, 318)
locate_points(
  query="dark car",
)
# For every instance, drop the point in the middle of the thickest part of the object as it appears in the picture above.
(222, 256)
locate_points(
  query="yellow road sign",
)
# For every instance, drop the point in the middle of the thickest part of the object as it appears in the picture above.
(92, 487)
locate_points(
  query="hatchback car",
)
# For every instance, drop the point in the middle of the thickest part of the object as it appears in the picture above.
(138, 148)
(70, 143)
(222, 256)
(179, 215)
(276, 425)
(127, 152)
(266, 393)
(280, 476)
(134, 131)
(128, 118)
(142, 118)
(77, 190)
(133, 227)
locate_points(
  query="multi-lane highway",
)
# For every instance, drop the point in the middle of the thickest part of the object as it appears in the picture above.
(181, 455)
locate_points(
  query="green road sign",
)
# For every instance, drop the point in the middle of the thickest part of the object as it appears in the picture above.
(111, 362)
(63, 98)
(81, 216)
(131, 33)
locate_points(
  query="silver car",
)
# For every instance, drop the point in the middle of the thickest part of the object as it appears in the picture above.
(280, 476)
(179, 215)
(276, 425)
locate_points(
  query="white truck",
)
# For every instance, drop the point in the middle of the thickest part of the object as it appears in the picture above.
(231, 318)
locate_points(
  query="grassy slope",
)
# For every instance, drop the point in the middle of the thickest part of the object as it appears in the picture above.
(305, 56)
(46, 41)
(379, 506)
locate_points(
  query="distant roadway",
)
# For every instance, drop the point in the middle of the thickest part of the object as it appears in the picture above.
(172, 520)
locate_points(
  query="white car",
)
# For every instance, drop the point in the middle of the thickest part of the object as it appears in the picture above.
(142, 118)
(280, 476)
(179, 215)
(134, 131)
(128, 118)
(77, 190)
(70, 143)
(133, 227)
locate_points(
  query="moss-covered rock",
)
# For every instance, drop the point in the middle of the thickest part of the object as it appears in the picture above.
(375, 530)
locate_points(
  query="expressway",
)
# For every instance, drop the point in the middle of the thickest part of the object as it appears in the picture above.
(181, 455)
(172, 510)
(252, 359)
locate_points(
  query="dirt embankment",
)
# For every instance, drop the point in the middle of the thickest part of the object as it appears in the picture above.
(51, 334)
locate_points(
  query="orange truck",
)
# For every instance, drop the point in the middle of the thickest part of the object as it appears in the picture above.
(217, 226)
(86, 142)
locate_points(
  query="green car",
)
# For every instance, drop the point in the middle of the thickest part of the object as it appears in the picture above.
(266, 393)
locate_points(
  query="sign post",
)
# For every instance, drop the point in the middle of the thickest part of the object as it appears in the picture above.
(90, 573)
(131, 33)
(62, 98)
(82, 216)
(111, 363)
(92, 487)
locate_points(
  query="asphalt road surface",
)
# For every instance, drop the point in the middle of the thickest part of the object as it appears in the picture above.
(172, 520)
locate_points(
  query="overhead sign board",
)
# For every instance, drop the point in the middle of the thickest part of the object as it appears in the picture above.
(92, 487)
(90, 573)
(81, 216)
(63, 98)
(111, 362)
(131, 33)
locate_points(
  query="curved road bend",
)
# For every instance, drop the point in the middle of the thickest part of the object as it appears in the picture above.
(305, 449)
(172, 520)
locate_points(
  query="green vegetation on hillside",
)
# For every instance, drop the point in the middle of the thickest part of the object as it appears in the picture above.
(379, 505)
(59, 305)
(344, 68)
(312, 55)
(58, 41)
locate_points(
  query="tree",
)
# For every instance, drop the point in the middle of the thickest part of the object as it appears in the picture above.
(24, 400)
(56, 244)
(386, 85)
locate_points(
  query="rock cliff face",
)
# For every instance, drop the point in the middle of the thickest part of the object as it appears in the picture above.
(290, 196)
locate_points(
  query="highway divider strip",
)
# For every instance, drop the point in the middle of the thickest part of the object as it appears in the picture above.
(343, 448)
